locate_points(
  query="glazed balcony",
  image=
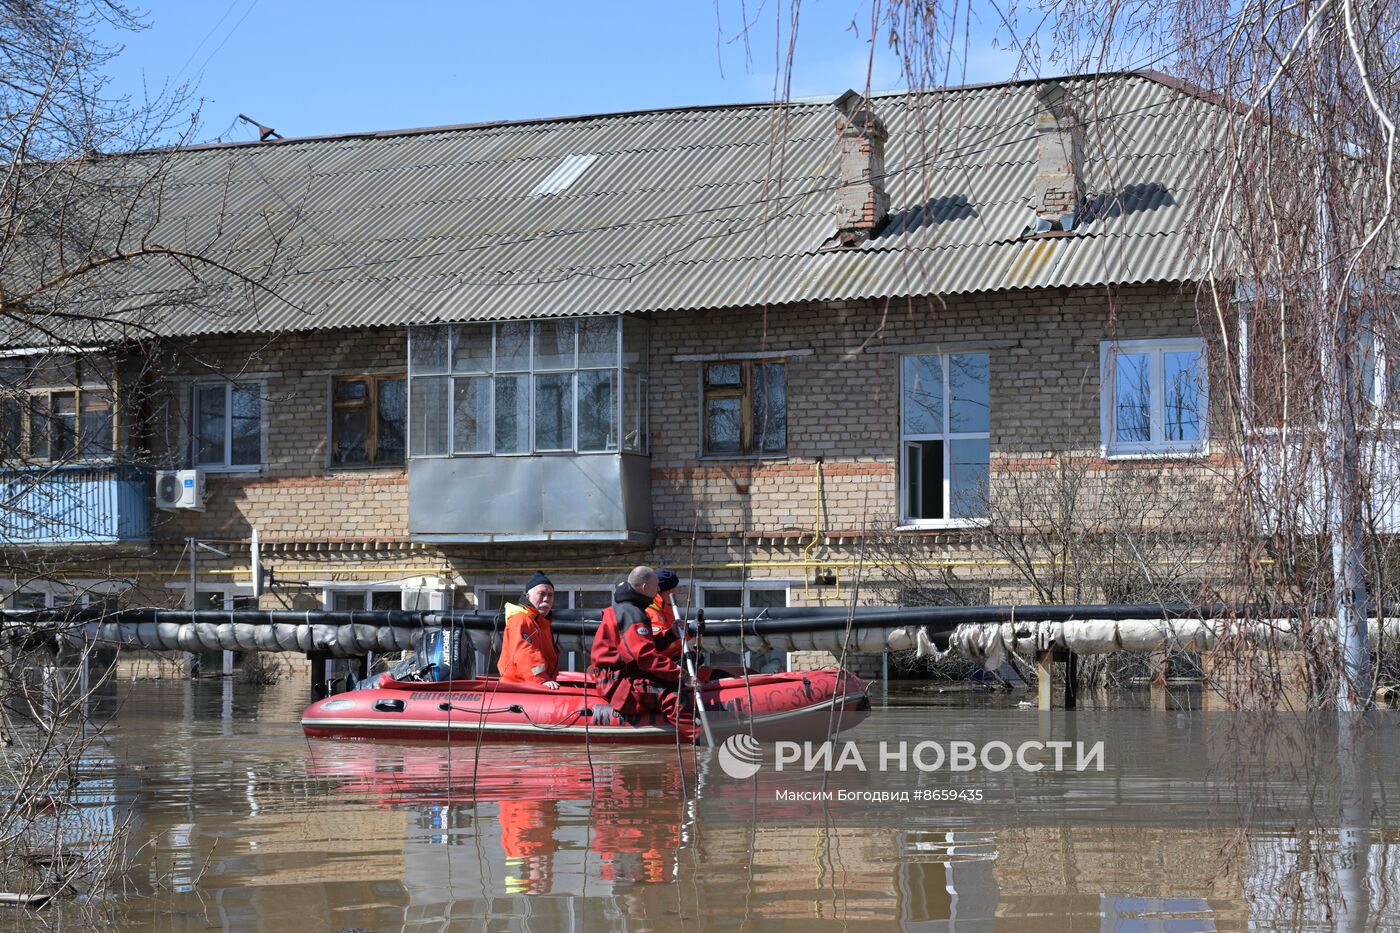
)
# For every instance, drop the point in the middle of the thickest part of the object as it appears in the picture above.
(85, 503)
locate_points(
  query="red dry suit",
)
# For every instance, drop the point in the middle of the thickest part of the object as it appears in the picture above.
(632, 674)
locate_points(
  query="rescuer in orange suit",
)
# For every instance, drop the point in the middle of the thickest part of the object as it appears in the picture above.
(527, 838)
(664, 629)
(528, 654)
(663, 615)
(631, 674)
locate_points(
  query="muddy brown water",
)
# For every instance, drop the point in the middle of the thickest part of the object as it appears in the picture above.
(239, 822)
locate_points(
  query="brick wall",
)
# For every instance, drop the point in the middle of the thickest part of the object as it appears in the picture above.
(842, 410)
(843, 399)
(296, 495)
(754, 518)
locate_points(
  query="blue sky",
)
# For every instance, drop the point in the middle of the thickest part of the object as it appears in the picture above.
(310, 68)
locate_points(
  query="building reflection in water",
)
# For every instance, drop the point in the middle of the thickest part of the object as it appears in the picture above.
(634, 835)
(272, 831)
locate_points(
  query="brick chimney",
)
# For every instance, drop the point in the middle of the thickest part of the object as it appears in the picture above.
(1059, 179)
(862, 203)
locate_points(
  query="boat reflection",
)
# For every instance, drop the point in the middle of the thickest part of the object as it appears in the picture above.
(614, 818)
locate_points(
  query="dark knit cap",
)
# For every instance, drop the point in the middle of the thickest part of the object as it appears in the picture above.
(536, 580)
(667, 580)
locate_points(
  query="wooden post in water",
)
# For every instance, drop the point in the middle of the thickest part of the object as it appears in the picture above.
(320, 689)
(1045, 679)
(1157, 664)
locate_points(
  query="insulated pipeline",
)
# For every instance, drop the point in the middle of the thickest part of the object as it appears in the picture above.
(981, 633)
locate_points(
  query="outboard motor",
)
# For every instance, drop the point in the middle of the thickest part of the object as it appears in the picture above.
(442, 654)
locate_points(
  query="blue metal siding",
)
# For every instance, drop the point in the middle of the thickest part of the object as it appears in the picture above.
(82, 504)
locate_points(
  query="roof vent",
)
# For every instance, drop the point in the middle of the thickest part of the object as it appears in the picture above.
(862, 203)
(1059, 179)
(564, 174)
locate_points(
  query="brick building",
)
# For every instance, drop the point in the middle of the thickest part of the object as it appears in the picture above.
(737, 341)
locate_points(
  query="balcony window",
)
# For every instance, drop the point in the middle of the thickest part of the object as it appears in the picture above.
(58, 425)
(57, 408)
(367, 420)
(523, 387)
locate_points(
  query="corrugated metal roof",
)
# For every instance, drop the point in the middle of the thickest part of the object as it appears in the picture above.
(712, 207)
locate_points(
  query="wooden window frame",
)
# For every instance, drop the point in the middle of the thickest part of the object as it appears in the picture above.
(371, 402)
(744, 391)
(31, 377)
(26, 400)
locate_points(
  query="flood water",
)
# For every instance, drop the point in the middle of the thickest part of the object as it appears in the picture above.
(239, 822)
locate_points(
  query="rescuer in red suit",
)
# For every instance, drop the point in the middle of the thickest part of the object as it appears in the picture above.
(634, 676)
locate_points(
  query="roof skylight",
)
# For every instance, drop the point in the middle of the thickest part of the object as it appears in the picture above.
(564, 174)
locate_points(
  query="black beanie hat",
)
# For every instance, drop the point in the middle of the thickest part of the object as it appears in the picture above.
(536, 580)
(666, 580)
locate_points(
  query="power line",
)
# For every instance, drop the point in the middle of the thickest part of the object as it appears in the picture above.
(212, 30)
(205, 64)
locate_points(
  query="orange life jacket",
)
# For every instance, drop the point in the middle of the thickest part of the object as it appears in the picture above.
(528, 654)
(663, 626)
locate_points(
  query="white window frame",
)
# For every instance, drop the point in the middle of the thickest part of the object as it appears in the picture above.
(228, 386)
(228, 591)
(329, 591)
(1157, 445)
(1383, 411)
(749, 588)
(906, 521)
(572, 660)
(513, 593)
(85, 590)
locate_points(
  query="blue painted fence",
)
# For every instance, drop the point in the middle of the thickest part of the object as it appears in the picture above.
(77, 504)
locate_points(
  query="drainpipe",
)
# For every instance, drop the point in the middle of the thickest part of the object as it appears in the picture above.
(816, 534)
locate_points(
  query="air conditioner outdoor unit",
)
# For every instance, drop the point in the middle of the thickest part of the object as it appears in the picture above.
(180, 489)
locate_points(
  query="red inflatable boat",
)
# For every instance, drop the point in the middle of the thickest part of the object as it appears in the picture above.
(796, 706)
